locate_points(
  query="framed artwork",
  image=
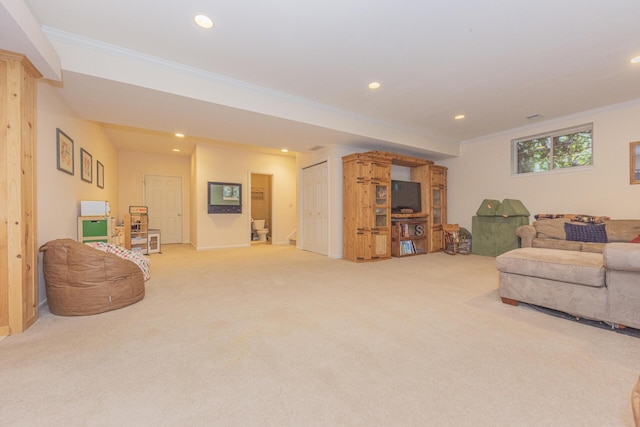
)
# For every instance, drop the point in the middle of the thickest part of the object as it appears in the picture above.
(634, 162)
(99, 174)
(86, 166)
(64, 149)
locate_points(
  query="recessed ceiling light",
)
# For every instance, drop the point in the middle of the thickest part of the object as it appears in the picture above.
(636, 60)
(180, 135)
(285, 150)
(459, 117)
(177, 150)
(203, 21)
(374, 85)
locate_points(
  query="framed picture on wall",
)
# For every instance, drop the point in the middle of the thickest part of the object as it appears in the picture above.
(86, 166)
(64, 148)
(99, 174)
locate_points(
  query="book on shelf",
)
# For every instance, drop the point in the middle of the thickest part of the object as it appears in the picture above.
(407, 247)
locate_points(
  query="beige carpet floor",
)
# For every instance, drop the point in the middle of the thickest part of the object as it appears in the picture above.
(275, 336)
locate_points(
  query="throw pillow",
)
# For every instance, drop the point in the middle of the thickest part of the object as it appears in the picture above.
(596, 233)
(636, 239)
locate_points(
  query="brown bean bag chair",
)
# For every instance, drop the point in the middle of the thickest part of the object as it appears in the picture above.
(81, 280)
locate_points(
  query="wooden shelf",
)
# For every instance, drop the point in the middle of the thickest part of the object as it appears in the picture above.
(411, 215)
(409, 237)
(136, 237)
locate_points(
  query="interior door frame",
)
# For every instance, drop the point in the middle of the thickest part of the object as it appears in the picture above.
(271, 210)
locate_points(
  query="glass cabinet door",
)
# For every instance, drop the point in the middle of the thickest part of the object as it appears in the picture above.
(382, 204)
(436, 209)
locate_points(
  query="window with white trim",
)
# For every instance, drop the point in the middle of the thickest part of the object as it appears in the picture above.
(561, 149)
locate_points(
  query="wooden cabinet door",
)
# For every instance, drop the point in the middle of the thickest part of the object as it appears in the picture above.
(380, 171)
(438, 206)
(362, 245)
(380, 245)
(438, 176)
(372, 245)
(381, 205)
(437, 239)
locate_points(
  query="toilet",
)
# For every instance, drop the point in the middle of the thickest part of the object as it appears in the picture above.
(257, 225)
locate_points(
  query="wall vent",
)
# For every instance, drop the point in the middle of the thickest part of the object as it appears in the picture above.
(534, 117)
(316, 148)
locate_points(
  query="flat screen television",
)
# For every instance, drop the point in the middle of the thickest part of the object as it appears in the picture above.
(405, 195)
(224, 198)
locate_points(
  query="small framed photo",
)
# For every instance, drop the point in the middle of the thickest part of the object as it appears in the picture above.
(64, 148)
(86, 166)
(99, 174)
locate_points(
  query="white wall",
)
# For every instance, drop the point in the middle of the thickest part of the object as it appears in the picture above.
(133, 168)
(483, 171)
(58, 193)
(225, 164)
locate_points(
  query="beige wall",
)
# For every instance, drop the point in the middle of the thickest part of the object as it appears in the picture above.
(483, 171)
(224, 164)
(133, 168)
(58, 193)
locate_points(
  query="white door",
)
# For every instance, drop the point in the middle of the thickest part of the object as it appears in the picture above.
(315, 209)
(163, 195)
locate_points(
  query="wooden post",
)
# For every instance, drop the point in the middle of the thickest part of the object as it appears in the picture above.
(18, 252)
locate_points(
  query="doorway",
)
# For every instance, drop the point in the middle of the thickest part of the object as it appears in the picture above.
(163, 196)
(261, 201)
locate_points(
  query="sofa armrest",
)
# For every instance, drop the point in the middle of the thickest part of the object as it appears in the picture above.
(526, 233)
(622, 256)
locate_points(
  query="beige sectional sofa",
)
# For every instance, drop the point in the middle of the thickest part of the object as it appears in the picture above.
(550, 234)
(599, 281)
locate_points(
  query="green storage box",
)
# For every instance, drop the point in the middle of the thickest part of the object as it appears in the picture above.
(488, 207)
(511, 207)
(494, 226)
(493, 236)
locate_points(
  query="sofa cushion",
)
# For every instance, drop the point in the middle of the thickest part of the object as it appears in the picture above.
(581, 268)
(622, 230)
(564, 245)
(593, 247)
(551, 228)
(622, 256)
(586, 233)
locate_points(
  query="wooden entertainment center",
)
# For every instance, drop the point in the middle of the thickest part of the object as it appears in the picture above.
(370, 231)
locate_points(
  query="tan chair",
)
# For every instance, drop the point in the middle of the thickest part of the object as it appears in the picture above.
(635, 403)
(451, 238)
(455, 241)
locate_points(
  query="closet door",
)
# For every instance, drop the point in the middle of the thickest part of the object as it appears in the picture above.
(163, 197)
(315, 202)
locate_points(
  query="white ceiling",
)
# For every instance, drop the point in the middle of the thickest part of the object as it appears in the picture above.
(496, 61)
